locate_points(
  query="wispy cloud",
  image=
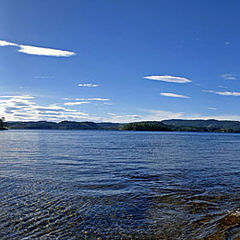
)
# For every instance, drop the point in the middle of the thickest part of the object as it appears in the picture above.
(226, 93)
(220, 86)
(167, 78)
(236, 94)
(41, 51)
(87, 85)
(43, 77)
(212, 108)
(229, 76)
(18, 97)
(158, 115)
(24, 108)
(121, 118)
(5, 43)
(87, 99)
(92, 99)
(74, 103)
(146, 115)
(174, 95)
(44, 51)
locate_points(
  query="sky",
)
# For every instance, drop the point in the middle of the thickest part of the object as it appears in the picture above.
(119, 61)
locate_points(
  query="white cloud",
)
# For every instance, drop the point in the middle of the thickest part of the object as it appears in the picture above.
(121, 118)
(88, 99)
(92, 99)
(220, 86)
(226, 93)
(18, 97)
(41, 51)
(147, 115)
(229, 76)
(236, 94)
(4, 43)
(43, 77)
(44, 51)
(158, 115)
(212, 108)
(87, 85)
(74, 103)
(166, 78)
(173, 95)
(24, 108)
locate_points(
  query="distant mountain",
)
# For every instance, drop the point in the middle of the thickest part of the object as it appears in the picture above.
(71, 125)
(210, 125)
(32, 125)
(165, 125)
(64, 125)
(110, 126)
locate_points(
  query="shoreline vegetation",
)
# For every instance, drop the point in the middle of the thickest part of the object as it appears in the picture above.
(210, 125)
(3, 125)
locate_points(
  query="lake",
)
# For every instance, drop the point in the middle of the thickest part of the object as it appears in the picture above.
(119, 185)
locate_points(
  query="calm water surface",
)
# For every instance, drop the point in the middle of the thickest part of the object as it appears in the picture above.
(119, 185)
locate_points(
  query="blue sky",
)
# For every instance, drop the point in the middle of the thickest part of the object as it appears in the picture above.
(119, 61)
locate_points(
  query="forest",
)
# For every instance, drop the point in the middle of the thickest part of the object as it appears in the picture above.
(165, 125)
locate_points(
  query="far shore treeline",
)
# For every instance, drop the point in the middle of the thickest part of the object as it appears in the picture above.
(165, 125)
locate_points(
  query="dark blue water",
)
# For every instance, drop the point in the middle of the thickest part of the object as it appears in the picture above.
(119, 185)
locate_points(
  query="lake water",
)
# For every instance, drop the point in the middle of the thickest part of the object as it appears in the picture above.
(119, 185)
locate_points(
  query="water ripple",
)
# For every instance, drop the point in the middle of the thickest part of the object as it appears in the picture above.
(119, 185)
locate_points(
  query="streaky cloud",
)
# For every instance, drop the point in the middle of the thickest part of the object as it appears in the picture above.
(44, 51)
(221, 86)
(226, 93)
(87, 99)
(40, 51)
(168, 78)
(18, 97)
(236, 94)
(87, 85)
(17, 108)
(228, 76)
(174, 95)
(92, 99)
(146, 115)
(74, 103)
(43, 77)
(5, 43)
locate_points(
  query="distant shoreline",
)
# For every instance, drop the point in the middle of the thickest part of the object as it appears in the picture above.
(176, 125)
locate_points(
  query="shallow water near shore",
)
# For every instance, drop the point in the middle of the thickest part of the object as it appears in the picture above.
(119, 185)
